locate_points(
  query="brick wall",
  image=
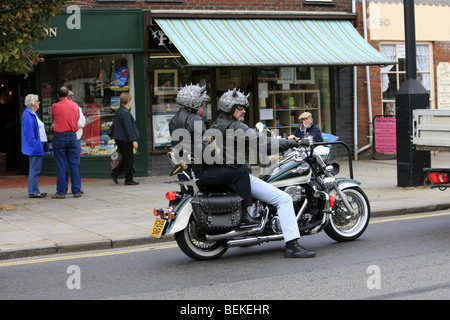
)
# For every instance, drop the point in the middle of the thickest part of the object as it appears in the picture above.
(281, 5)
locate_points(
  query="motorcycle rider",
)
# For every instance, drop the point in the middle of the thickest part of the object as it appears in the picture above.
(191, 98)
(232, 108)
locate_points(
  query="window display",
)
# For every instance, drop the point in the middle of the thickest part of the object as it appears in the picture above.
(284, 93)
(97, 82)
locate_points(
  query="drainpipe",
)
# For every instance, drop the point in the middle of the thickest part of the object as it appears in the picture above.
(369, 96)
(355, 101)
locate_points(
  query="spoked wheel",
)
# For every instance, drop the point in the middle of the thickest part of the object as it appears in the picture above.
(347, 227)
(193, 243)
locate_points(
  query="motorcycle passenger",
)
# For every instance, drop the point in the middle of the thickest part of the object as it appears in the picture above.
(232, 108)
(191, 98)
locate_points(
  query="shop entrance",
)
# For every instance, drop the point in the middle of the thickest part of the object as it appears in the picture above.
(13, 90)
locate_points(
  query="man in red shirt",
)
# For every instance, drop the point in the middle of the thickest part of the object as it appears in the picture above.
(65, 115)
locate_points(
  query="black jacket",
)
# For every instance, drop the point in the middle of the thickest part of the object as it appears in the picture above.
(125, 127)
(237, 142)
(192, 125)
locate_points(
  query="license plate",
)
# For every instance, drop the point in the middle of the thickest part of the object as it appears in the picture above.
(158, 227)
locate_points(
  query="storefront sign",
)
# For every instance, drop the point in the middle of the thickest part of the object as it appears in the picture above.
(385, 135)
(91, 31)
(443, 85)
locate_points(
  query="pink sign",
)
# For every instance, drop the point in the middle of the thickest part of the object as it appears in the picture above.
(385, 132)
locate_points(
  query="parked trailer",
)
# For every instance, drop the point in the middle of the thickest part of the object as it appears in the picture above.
(431, 132)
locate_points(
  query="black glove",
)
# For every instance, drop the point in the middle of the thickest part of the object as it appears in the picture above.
(301, 143)
(293, 143)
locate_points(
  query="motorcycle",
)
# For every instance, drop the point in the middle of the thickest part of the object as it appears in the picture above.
(206, 223)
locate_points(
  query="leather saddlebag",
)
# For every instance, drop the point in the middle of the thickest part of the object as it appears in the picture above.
(217, 212)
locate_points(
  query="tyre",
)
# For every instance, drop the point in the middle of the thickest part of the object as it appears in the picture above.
(193, 244)
(344, 227)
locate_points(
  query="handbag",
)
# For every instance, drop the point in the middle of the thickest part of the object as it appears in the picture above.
(110, 131)
(115, 159)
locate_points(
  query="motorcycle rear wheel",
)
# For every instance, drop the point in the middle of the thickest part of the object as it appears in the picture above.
(342, 227)
(193, 245)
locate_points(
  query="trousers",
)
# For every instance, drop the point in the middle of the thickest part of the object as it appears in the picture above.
(265, 192)
(33, 173)
(222, 175)
(65, 151)
(127, 163)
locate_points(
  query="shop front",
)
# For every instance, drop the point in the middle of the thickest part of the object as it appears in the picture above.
(97, 58)
(288, 66)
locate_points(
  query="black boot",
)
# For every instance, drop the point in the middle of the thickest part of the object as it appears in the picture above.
(295, 250)
(247, 218)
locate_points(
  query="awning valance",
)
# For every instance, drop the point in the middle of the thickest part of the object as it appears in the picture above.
(266, 42)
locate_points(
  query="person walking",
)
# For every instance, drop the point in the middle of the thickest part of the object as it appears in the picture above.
(126, 135)
(34, 143)
(65, 116)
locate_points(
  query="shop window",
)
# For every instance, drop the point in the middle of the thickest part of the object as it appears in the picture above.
(286, 92)
(393, 76)
(168, 77)
(97, 82)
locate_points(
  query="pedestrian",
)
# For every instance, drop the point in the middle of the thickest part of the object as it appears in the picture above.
(125, 135)
(232, 110)
(306, 125)
(65, 116)
(81, 124)
(34, 143)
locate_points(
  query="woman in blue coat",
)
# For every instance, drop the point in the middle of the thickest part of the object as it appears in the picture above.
(34, 142)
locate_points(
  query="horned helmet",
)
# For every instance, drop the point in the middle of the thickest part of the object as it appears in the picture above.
(192, 96)
(232, 98)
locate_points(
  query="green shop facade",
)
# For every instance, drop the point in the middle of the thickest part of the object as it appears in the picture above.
(97, 54)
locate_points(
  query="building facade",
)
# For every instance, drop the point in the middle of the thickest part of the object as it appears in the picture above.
(291, 56)
(385, 30)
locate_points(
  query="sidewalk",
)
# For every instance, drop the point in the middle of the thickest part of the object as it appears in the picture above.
(110, 216)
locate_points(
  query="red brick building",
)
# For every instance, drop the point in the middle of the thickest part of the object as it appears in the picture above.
(291, 56)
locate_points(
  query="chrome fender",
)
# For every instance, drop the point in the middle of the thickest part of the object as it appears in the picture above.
(182, 218)
(347, 183)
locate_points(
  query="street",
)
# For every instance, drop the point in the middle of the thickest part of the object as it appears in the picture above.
(399, 257)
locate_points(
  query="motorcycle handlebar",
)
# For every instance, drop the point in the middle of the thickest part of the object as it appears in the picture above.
(349, 153)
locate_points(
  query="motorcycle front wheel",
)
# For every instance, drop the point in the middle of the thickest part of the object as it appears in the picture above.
(344, 226)
(191, 241)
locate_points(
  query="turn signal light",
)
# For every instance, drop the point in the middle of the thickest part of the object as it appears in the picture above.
(164, 213)
(438, 177)
(331, 200)
(171, 195)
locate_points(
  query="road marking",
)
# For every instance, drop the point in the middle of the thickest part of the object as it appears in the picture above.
(174, 245)
(87, 255)
(410, 217)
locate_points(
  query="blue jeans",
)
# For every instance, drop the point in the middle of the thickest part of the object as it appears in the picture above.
(65, 151)
(265, 192)
(67, 165)
(33, 173)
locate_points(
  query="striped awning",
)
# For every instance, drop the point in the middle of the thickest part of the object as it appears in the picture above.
(266, 42)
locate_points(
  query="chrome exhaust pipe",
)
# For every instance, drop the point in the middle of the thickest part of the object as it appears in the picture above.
(234, 233)
(254, 240)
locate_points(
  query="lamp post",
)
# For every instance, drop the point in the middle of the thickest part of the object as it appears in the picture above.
(411, 95)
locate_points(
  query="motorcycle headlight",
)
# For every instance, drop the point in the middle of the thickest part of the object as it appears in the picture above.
(322, 151)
